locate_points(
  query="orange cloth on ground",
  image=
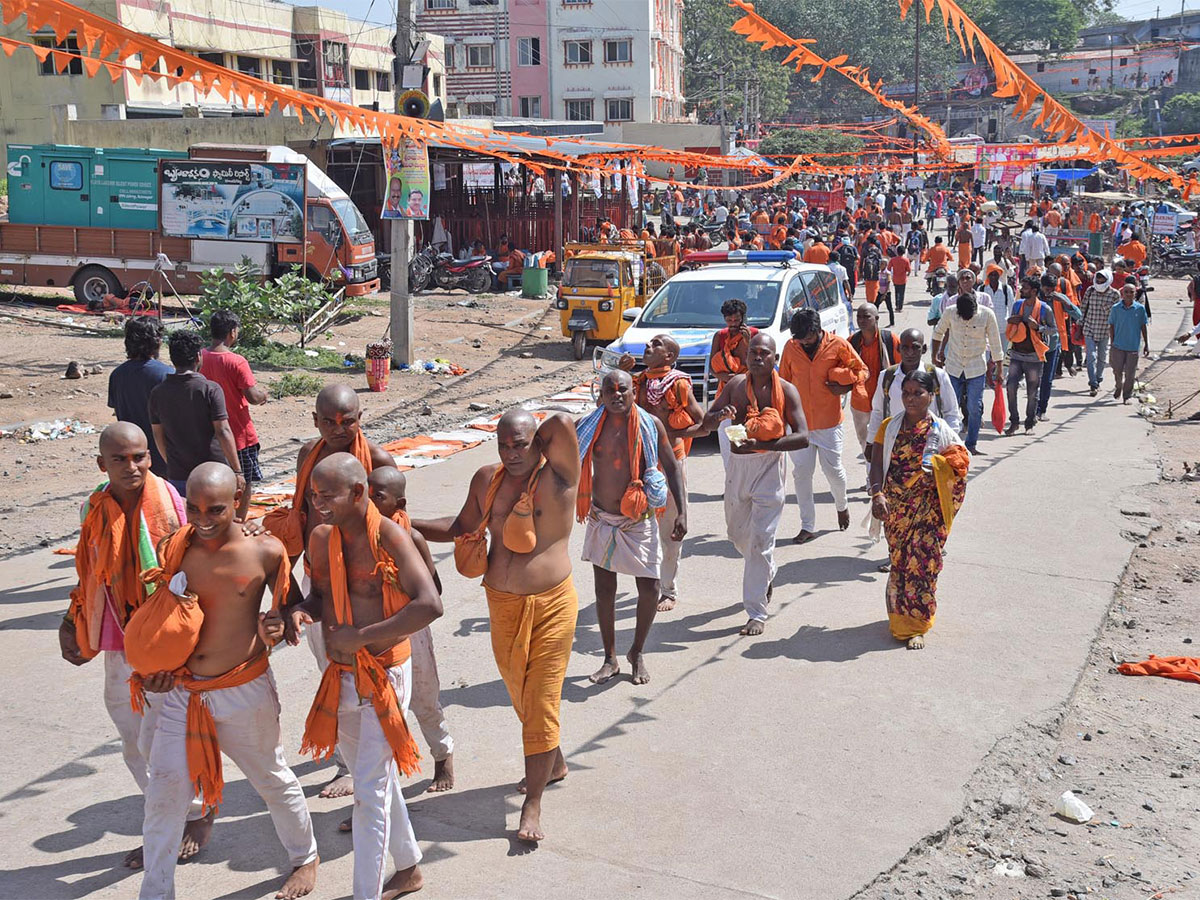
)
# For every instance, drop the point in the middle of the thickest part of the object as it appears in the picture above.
(765, 424)
(106, 557)
(633, 501)
(203, 748)
(1181, 668)
(836, 361)
(370, 671)
(288, 522)
(817, 253)
(531, 641)
(677, 398)
(939, 256)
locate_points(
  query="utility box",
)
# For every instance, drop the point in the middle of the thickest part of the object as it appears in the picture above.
(55, 184)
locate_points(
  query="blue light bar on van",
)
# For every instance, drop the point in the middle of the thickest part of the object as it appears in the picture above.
(761, 256)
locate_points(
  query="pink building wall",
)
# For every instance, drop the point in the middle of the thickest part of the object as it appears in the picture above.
(530, 19)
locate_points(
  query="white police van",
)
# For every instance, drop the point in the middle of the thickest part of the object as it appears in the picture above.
(772, 283)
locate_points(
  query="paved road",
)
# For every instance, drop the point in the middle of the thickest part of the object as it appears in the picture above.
(799, 764)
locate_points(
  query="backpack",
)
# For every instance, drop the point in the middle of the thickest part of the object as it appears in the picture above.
(870, 267)
(914, 242)
(889, 376)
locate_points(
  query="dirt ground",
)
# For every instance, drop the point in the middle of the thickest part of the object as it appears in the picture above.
(1129, 747)
(511, 347)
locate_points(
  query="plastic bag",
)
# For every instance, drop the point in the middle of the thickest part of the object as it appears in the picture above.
(1073, 809)
(999, 410)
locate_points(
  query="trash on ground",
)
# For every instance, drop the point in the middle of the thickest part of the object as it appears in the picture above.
(1072, 809)
(58, 430)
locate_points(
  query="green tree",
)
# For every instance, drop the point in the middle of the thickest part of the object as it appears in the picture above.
(1030, 25)
(1181, 114)
(792, 142)
(711, 50)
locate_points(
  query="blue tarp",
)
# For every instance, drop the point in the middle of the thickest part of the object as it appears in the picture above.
(1072, 174)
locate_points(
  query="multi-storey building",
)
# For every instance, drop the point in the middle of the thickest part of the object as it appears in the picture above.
(317, 50)
(620, 61)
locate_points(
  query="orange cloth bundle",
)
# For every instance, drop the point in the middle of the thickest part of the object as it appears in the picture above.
(766, 424)
(725, 361)
(1181, 668)
(519, 534)
(370, 672)
(107, 557)
(287, 523)
(470, 550)
(163, 631)
(633, 502)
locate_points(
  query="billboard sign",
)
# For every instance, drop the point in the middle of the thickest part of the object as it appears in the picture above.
(407, 167)
(232, 200)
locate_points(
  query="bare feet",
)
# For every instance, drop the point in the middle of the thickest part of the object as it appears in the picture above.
(301, 882)
(917, 642)
(443, 775)
(753, 628)
(641, 675)
(884, 567)
(346, 825)
(557, 774)
(133, 859)
(805, 536)
(843, 519)
(341, 786)
(666, 604)
(530, 828)
(195, 835)
(406, 881)
(606, 672)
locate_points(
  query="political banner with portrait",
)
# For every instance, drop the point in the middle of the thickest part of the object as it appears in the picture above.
(406, 195)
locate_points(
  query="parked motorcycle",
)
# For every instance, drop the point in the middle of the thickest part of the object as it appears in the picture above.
(473, 274)
(420, 269)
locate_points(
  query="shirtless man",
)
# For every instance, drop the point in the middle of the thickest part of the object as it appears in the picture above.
(338, 419)
(370, 590)
(528, 587)
(227, 571)
(387, 486)
(101, 605)
(666, 393)
(754, 475)
(618, 499)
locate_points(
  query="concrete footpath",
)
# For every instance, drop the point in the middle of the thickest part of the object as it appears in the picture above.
(799, 764)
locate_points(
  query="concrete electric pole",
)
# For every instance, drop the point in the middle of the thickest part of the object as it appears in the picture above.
(401, 305)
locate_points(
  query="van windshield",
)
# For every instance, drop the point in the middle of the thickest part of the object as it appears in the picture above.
(697, 304)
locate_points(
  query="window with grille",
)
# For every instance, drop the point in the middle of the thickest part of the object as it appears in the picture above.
(70, 45)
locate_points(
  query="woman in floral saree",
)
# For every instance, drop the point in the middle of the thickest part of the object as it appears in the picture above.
(918, 480)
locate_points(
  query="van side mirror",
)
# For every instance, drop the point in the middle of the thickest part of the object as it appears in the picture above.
(632, 313)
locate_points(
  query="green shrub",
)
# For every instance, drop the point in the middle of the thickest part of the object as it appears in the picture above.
(274, 355)
(264, 307)
(291, 384)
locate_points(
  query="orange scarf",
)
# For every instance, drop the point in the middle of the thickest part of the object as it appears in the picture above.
(676, 398)
(766, 424)
(370, 672)
(633, 502)
(519, 533)
(725, 362)
(287, 522)
(106, 557)
(203, 748)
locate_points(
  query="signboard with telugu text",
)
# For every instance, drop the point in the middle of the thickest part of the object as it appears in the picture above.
(1164, 223)
(232, 200)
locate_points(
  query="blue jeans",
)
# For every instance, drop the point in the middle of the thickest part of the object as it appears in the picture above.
(1097, 358)
(970, 399)
(1048, 372)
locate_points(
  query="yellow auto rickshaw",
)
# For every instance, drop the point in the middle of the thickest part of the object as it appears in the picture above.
(602, 287)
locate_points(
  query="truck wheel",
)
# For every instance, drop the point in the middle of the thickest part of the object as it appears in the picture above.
(93, 282)
(578, 343)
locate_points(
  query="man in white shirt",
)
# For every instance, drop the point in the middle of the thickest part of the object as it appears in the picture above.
(966, 333)
(978, 241)
(887, 399)
(720, 214)
(997, 295)
(840, 273)
(1034, 248)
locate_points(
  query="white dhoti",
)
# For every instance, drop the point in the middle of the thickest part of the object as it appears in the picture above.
(754, 496)
(824, 444)
(381, 825)
(426, 696)
(861, 421)
(672, 551)
(622, 545)
(135, 729)
(247, 720)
